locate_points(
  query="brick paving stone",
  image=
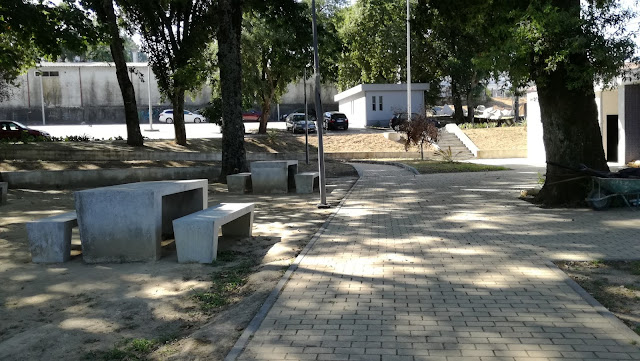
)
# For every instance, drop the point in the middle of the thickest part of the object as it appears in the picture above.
(447, 267)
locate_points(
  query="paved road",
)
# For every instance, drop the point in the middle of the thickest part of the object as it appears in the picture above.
(448, 267)
(161, 131)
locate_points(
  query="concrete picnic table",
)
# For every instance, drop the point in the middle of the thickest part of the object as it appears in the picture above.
(125, 223)
(273, 176)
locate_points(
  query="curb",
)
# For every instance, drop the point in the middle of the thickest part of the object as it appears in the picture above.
(396, 164)
(255, 323)
(603, 311)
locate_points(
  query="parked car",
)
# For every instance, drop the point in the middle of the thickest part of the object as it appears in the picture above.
(401, 118)
(167, 117)
(310, 111)
(334, 120)
(295, 123)
(251, 116)
(16, 131)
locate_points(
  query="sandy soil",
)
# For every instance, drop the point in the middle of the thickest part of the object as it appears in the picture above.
(615, 284)
(276, 141)
(77, 311)
(498, 138)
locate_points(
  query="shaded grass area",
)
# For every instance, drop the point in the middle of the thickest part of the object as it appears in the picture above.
(130, 349)
(433, 166)
(615, 284)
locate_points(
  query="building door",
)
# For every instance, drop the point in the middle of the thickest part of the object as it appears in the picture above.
(612, 138)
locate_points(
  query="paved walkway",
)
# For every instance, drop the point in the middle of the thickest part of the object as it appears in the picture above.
(448, 267)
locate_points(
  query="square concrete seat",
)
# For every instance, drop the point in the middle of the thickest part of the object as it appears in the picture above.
(239, 183)
(50, 238)
(196, 234)
(4, 188)
(307, 182)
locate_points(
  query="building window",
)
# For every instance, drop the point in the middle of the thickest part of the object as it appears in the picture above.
(47, 73)
(380, 103)
(373, 103)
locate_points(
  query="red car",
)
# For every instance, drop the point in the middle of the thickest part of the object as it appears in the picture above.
(15, 131)
(251, 116)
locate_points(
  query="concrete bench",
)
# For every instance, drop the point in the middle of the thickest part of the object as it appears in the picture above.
(196, 234)
(50, 238)
(239, 183)
(307, 182)
(4, 188)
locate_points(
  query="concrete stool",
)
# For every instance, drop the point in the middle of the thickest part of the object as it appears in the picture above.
(50, 238)
(196, 235)
(307, 182)
(4, 187)
(239, 183)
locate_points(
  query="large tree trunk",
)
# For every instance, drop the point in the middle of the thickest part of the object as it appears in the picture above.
(178, 116)
(458, 116)
(134, 136)
(571, 137)
(234, 159)
(470, 99)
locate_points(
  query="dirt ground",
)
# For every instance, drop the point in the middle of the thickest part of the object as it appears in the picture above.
(615, 284)
(275, 141)
(158, 310)
(498, 138)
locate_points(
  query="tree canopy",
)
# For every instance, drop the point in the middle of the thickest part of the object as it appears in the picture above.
(175, 34)
(276, 48)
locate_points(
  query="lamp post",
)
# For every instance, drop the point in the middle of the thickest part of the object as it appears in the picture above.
(408, 62)
(306, 119)
(316, 62)
(150, 107)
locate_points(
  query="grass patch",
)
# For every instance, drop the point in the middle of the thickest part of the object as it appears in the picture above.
(128, 350)
(432, 166)
(225, 285)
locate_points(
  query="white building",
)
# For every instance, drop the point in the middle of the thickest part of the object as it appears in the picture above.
(375, 104)
(618, 116)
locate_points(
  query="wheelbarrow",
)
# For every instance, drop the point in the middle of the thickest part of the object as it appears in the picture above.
(603, 190)
(606, 186)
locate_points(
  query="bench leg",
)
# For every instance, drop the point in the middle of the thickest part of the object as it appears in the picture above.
(49, 242)
(194, 242)
(4, 187)
(240, 227)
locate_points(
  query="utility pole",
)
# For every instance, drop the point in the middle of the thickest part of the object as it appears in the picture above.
(306, 119)
(408, 62)
(150, 107)
(316, 61)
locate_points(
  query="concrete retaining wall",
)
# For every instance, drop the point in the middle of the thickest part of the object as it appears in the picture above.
(502, 153)
(103, 177)
(83, 155)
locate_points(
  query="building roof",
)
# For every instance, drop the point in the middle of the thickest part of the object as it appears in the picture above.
(363, 88)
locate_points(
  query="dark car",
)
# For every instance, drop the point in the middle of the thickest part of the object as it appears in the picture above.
(295, 123)
(16, 131)
(251, 116)
(401, 118)
(310, 111)
(335, 120)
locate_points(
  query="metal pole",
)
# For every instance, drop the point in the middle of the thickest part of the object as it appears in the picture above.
(150, 106)
(316, 61)
(408, 62)
(42, 98)
(306, 118)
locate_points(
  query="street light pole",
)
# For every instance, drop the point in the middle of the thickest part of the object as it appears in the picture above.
(150, 106)
(316, 61)
(306, 118)
(408, 62)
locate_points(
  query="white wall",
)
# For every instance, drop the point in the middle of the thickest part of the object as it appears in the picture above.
(535, 143)
(354, 108)
(393, 102)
